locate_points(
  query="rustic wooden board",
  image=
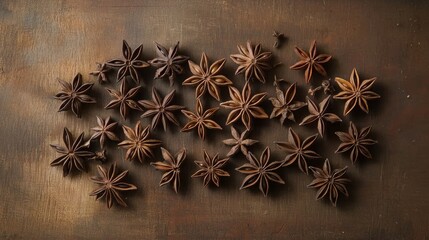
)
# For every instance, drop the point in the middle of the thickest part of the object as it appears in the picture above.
(44, 40)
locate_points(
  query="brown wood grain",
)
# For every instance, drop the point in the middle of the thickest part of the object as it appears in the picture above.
(41, 41)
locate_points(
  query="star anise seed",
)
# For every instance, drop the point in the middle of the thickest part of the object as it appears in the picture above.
(283, 105)
(239, 142)
(124, 99)
(211, 169)
(171, 167)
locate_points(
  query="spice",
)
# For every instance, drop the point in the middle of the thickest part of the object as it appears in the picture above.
(280, 38)
(124, 99)
(99, 156)
(239, 142)
(171, 167)
(100, 73)
(283, 105)
(104, 130)
(211, 169)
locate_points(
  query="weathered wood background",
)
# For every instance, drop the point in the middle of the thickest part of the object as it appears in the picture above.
(41, 41)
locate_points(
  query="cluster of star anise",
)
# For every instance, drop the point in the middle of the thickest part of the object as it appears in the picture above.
(244, 106)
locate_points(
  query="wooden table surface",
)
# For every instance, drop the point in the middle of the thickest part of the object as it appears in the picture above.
(42, 41)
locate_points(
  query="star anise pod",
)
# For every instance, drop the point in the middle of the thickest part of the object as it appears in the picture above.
(74, 94)
(206, 77)
(171, 167)
(318, 113)
(168, 62)
(111, 185)
(138, 145)
(311, 61)
(239, 142)
(297, 150)
(160, 109)
(123, 99)
(211, 169)
(104, 130)
(73, 154)
(283, 105)
(200, 119)
(100, 73)
(244, 106)
(99, 156)
(252, 61)
(260, 171)
(130, 64)
(329, 182)
(355, 92)
(356, 141)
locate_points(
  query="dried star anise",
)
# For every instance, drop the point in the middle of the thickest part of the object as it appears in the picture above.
(260, 171)
(111, 185)
(100, 73)
(99, 156)
(329, 182)
(318, 113)
(74, 94)
(283, 105)
(123, 99)
(355, 141)
(311, 61)
(73, 154)
(252, 62)
(171, 167)
(298, 150)
(244, 106)
(168, 62)
(130, 64)
(239, 142)
(138, 145)
(355, 92)
(211, 169)
(200, 119)
(206, 77)
(280, 38)
(104, 130)
(160, 109)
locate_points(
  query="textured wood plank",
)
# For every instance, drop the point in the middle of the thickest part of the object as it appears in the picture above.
(45, 40)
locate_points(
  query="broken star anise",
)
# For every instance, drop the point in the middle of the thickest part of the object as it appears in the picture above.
(111, 185)
(207, 78)
(329, 182)
(104, 130)
(73, 154)
(252, 62)
(260, 171)
(138, 145)
(200, 119)
(239, 142)
(283, 105)
(311, 61)
(124, 99)
(171, 167)
(356, 141)
(318, 113)
(160, 109)
(355, 92)
(168, 62)
(211, 169)
(100, 73)
(244, 106)
(130, 64)
(74, 94)
(297, 150)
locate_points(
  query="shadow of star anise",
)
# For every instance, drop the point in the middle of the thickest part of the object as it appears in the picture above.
(123, 99)
(260, 171)
(138, 145)
(206, 78)
(329, 182)
(104, 130)
(111, 185)
(252, 62)
(130, 64)
(355, 92)
(239, 142)
(171, 167)
(311, 61)
(168, 62)
(298, 150)
(74, 94)
(283, 105)
(355, 141)
(211, 169)
(200, 119)
(73, 154)
(318, 113)
(244, 106)
(160, 109)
